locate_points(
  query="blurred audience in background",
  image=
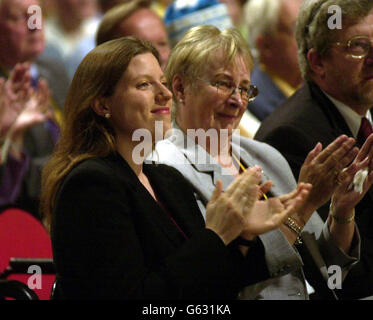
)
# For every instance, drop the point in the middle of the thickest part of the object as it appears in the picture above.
(271, 29)
(160, 6)
(88, 43)
(105, 5)
(135, 18)
(70, 22)
(32, 97)
(182, 15)
(235, 10)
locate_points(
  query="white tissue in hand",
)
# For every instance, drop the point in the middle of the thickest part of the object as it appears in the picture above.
(359, 179)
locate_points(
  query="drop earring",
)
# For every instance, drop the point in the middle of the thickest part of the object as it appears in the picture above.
(107, 115)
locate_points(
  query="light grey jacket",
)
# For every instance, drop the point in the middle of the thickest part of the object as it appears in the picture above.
(284, 262)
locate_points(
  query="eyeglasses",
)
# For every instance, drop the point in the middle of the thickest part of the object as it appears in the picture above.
(227, 88)
(358, 47)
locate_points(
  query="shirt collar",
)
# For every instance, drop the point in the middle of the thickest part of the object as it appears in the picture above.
(352, 118)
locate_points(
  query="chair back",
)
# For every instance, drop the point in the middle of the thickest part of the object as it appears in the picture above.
(16, 290)
(25, 251)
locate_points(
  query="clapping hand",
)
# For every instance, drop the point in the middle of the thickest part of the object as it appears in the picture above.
(321, 169)
(36, 109)
(269, 214)
(345, 197)
(21, 107)
(227, 212)
(239, 212)
(13, 94)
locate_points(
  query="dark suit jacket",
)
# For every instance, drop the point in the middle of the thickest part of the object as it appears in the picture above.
(112, 240)
(294, 129)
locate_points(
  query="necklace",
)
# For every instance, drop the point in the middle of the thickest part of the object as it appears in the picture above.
(244, 169)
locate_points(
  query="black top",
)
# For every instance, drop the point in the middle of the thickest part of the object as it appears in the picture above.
(112, 240)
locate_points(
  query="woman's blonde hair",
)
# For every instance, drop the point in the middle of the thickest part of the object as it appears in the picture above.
(84, 133)
(198, 49)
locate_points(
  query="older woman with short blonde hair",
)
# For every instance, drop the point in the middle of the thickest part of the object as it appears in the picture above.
(209, 74)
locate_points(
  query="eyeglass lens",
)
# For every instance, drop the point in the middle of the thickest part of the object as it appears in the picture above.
(359, 47)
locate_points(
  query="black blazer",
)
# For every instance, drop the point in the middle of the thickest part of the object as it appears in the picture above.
(294, 128)
(112, 240)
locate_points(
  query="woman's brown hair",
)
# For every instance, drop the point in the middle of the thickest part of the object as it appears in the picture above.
(85, 134)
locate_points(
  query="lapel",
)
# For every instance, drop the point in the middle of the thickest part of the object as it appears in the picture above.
(250, 161)
(177, 196)
(144, 204)
(337, 123)
(203, 163)
(200, 160)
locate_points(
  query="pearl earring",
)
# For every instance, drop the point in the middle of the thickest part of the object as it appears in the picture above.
(107, 115)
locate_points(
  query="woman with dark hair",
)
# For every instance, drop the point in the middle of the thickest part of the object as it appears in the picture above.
(122, 229)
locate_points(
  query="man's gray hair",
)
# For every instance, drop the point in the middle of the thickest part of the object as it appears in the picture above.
(313, 31)
(260, 17)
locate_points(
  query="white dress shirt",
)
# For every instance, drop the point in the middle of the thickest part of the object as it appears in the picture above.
(352, 118)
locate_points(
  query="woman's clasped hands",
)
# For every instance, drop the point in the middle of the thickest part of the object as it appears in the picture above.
(239, 211)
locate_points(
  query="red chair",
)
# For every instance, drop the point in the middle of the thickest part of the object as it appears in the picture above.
(25, 248)
(12, 289)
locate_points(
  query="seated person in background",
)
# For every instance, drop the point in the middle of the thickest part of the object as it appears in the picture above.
(124, 230)
(86, 44)
(70, 23)
(336, 99)
(209, 73)
(21, 107)
(236, 12)
(271, 29)
(18, 44)
(182, 15)
(135, 18)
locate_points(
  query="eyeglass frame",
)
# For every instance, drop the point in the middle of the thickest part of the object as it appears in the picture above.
(347, 44)
(253, 88)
